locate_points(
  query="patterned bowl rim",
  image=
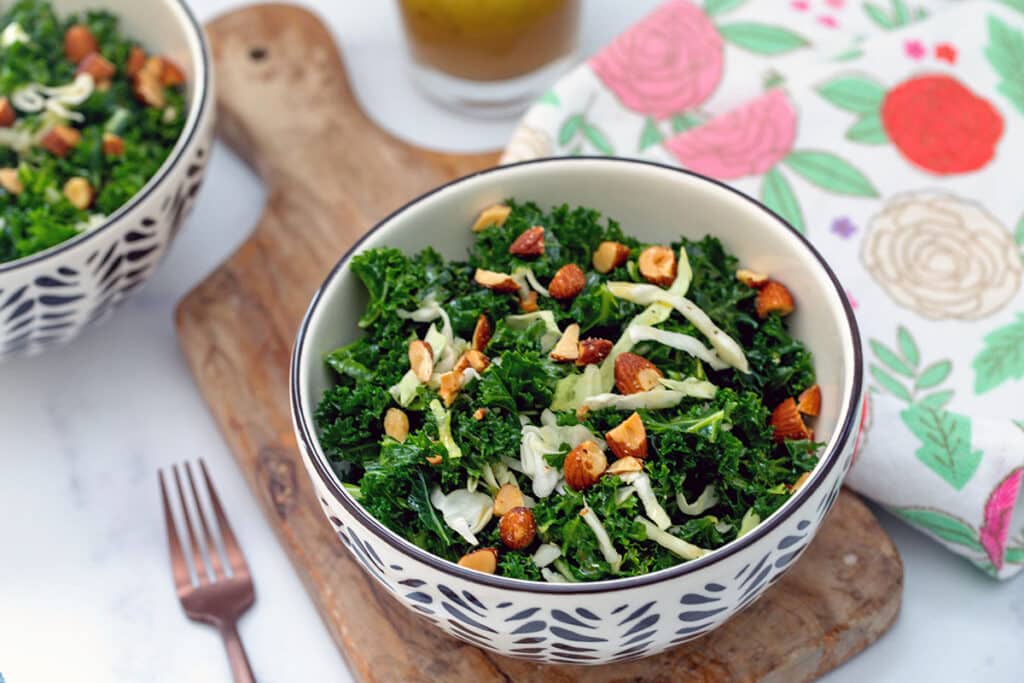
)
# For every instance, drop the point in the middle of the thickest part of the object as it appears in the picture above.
(197, 110)
(330, 480)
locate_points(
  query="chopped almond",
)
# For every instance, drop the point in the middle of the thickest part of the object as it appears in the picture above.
(471, 359)
(629, 438)
(10, 181)
(529, 244)
(593, 350)
(773, 297)
(451, 384)
(634, 373)
(153, 67)
(517, 528)
(509, 496)
(97, 66)
(434, 460)
(626, 465)
(492, 215)
(79, 192)
(498, 282)
(786, 422)
(479, 414)
(528, 303)
(584, 465)
(113, 145)
(136, 60)
(396, 424)
(567, 349)
(60, 139)
(149, 90)
(78, 43)
(567, 282)
(609, 255)
(809, 401)
(801, 480)
(484, 560)
(421, 360)
(481, 333)
(7, 113)
(751, 278)
(172, 75)
(658, 265)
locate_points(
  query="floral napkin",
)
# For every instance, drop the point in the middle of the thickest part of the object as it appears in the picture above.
(890, 133)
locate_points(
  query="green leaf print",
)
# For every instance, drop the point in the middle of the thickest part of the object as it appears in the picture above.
(762, 39)
(715, 7)
(908, 347)
(777, 195)
(569, 129)
(1018, 235)
(551, 98)
(868, 130)
(854, 93)
(898, 14)
(893, 361)
(934, 374)
(849, 55)
(1014, 555)
(1002, 358)
(943, 525)
(650, 135)
(1014, 4)
(684, 122)
(594, 135)
(945, 443)
(829, 172)
(1005, 52)
(937, 400)
(891, 384)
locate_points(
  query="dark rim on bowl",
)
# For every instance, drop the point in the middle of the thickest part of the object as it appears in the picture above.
(309, 439)
(183, 142)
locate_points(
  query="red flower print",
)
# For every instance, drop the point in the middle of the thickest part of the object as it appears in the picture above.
(945, 52)
(940, 125)
(914, 49)
(668, 63)
(998, 511)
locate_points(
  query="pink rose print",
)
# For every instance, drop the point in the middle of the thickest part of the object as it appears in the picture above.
(914, 49)
(826, 20)
(668, 63)
(746, 141)
(998, 510)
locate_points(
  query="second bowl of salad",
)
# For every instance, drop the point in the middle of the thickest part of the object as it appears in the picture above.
(578, 410)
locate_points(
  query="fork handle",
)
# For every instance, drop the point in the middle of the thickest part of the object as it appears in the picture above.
(240, 669)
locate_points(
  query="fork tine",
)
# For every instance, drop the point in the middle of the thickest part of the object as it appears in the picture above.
(211, 545)
(179, 564)
(234, 552)
(197, 554)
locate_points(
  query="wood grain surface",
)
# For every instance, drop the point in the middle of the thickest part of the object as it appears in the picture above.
(285, 106)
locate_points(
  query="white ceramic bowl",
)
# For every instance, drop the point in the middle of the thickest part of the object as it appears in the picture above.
(604, 621)
(48, 298)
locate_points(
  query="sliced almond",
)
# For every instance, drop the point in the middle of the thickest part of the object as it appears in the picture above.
(634, 373)
(751, 278)
(567, 349)
(509, 496)
(584, 465)
(78, 43)
(421, 360)
(492, 215)
(97, 66)
(10, 181)
(396, 424)
(529, 244)
(481, 333)
(60, 140)
(626, 465)
(172, 75)
(498, 282)
(528, 303)
(79, 192)
(471, 358)
(451, 384)
(609, 255)
(658, 265)
(629, 438)
(773, 297)
(113, 146)
(809, 401)
(434, 460)
(800, 481)
(484, 560)
(787, 423)
(136, 60)
(7, 113)
(148, 89)
(593, 350)
(479, 414)
(517, 528)
(567, 282)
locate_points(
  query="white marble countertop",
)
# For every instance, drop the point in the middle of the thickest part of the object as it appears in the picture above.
(85, 587)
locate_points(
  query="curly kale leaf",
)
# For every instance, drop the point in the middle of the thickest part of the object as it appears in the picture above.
(520, 380)
(350, 420)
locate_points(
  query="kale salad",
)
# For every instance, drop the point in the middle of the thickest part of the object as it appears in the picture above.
(86, 119)
(569, 403)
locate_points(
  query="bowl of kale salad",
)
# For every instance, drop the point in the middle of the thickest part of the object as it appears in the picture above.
(578, 409)
(106, 119)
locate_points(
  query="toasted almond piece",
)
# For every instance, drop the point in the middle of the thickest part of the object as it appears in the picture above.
(471, 358)
(800, 481)
(517, 528)
(509, 496)
(609, 255)
(492, 215)
(751, 278)
(809, 401)
(396, 424)
(421, 360)
(634, 373)
(629, 438)
(434, 460)
(60, 139)
(592, 350)
(7, 113)
(153, 67)
(148, 89)
(171, 75)
(499, 282)
(584, 465)
(626, 465)
(136, 60)
(113, 146)
(481, 333)
(568, 347)
(451, 384)
(79, 192)
(567, 282)
(97, 66)
(10, 181)
(528, 303)
(479, 414)
(78, 43)
(529, 244)
(658, 265)
(773, 297)
(484, 560)
(581, 412)
(786, 422)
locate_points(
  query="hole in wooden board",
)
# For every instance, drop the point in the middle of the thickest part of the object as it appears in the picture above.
(257, 54)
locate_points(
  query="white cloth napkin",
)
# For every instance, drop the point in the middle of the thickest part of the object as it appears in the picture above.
(890, 132)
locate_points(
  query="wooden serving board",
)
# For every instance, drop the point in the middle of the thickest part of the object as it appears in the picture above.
(285, 105)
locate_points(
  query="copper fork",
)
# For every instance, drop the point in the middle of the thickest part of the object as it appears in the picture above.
(218, 599)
